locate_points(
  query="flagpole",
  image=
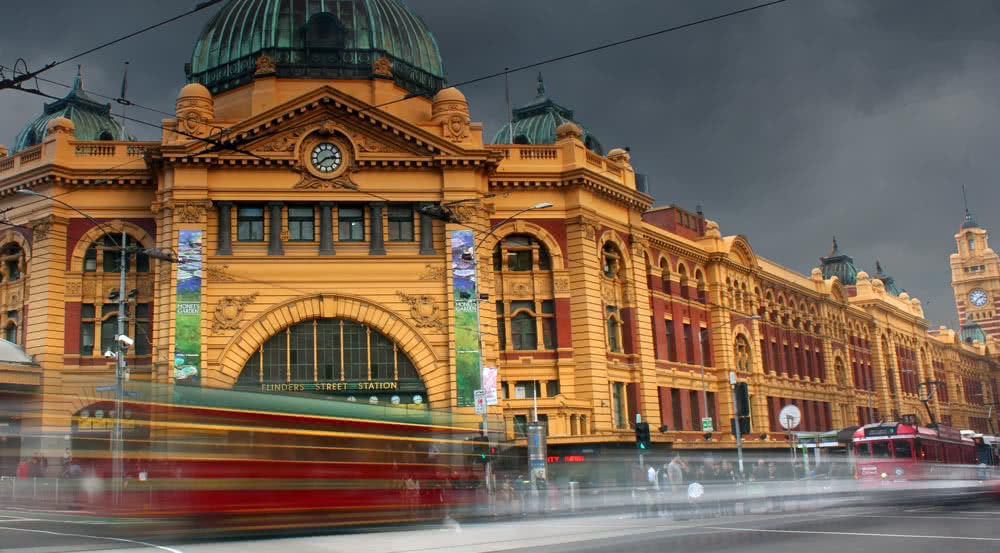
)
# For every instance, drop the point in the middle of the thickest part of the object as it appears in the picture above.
(510, 114)
(121, 100)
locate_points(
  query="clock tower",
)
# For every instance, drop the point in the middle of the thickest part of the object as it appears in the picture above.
(975, 277)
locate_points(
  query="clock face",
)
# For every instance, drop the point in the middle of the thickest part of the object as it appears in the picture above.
(326, 157)
(978, 297)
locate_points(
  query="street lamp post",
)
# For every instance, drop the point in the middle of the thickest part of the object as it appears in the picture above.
(122, 341)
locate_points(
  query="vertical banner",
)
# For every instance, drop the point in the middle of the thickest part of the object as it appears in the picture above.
(467, 355)
(489, 380)
(187, 346)
(537, 450)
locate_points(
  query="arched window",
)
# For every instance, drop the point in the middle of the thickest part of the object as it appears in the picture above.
(105, 135)
(324, 30)
(13, 262)
(684, 281)
(702, 288)
(334, 356)
(611, 261)
(521, 252)
(614, 330)
(665, 276)
(105, 252)
(523, 331)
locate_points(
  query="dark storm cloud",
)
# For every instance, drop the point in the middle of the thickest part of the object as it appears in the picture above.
(789, 125)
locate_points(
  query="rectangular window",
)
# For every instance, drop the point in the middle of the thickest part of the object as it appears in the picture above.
(328, 349)
(519, 260)
(706, 347)
(527, 389)
(504, 390)
(764, 356)
(401, 223)
(351, 223)
(523, 331)
(520, 426)
(87, 314)
(109, 326)
(710, 399)
(143, 329)
(695, 410)
(250, 224)
(671, 346)
(501, 328)
(656, 344)
(549, 337)
(552, 388)
(544, 421)
(789, 367)
(90, 259)
(618, 396)
(301, 224)
(776, 357)
(688, 344)
(675, 404)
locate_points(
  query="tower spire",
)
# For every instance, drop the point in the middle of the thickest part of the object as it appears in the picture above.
(969, 221)
(541, 85)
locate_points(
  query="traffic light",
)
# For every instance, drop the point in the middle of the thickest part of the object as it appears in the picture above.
(742, 399)
(744, 426)
(642, 439)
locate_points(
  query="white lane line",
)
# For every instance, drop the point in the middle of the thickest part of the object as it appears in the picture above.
(124, 540)
(927, 516)
(860, 534)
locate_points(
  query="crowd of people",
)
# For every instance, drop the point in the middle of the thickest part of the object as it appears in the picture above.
(37, 466)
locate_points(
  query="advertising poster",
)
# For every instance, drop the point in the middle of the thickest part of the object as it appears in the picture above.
(187, 351)
(489, 380)
(467, 355)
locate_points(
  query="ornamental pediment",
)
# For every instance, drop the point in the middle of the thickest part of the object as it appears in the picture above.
(279, 133)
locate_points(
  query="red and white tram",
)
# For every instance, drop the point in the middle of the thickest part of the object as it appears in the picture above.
(897, 452)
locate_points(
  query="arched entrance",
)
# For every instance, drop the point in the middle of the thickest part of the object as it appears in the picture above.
(334, 357)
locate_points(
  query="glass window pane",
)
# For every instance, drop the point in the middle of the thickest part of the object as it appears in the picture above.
(523, 332)
(880, 449)
(300, 354)
(90, 259)
(544, 260)
(901, 449)
(143, 337)
(519, 260)
(405, 367)
(515, 306)
(87, 311)
(501, 333)
(275, 358)
(355, 351)
(383, 357)
(328, 349)
(87, 338)
(250, 375)
(109, 328)
(549, 333)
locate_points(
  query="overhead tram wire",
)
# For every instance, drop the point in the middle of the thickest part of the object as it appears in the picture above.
(542, 62)
(16, 80)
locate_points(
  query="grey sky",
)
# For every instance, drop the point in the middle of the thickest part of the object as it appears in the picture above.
(789, 124)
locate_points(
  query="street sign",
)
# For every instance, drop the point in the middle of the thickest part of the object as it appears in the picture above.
(111, 388)
(789, 417)
(706, 424)
(480, 401)
(130, 394)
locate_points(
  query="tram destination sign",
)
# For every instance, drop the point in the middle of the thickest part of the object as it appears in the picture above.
(880, 431)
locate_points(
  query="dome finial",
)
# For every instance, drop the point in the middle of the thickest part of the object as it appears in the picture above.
(969, 221)
(78, 81)
(878, 267)
(541, 85)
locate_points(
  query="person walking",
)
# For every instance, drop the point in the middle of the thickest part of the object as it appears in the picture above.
(675, 475)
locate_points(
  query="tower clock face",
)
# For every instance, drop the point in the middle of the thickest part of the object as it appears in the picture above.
(326, 157)
(978, 297)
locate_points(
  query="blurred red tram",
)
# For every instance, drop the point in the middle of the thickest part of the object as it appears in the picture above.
(223, 456)
(896, 452)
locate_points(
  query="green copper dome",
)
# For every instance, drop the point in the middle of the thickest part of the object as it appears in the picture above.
(972, 332)
(839, 265)
(887, 281)
(92, 119)
(316, 39)
(536, 123)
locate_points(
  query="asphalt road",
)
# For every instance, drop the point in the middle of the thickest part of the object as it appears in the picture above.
(956, 528)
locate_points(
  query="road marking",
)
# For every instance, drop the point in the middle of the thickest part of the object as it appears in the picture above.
(860, 534)
(124, 540)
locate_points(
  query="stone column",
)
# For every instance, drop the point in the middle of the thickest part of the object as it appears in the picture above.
(274, 235)
(426, 233)
(224, 239)
(326, 229)
(377, 243)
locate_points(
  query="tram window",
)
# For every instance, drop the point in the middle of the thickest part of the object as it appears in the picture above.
(862, 450)
(880, 449)
(901, 449)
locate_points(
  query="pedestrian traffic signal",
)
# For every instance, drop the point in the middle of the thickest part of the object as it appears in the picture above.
(642, 439)
(744, 426)
(742, 394)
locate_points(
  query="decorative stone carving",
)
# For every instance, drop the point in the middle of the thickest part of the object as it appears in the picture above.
(218, 273)
(451, 111)
(73, 288)
(382, 67)
(195, 109)
(265, 65)
(520, 289)
(89, 288)
(433, 272)
(191, 212)
(590, 227)
(562, 285)
(284, 143)
(145, 286)
(741, 352)
(366, 143)
(466, 213)
(424, 311)
(229, 312)
(344, 180)
(41, 229)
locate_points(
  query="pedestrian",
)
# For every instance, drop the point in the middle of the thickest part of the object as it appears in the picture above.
(675, 474)
(22, 469)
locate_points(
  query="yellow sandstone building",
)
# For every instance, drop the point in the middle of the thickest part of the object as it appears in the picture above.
(315, 180)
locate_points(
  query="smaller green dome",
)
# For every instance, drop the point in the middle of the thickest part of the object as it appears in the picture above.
(92, 119)
(537, 121)
(839, 265)
(972, 332)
